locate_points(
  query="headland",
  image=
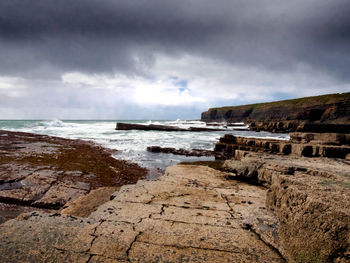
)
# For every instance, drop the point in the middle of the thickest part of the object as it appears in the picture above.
(326, 113)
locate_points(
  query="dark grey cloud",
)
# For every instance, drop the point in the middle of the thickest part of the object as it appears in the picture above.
(227, 52)
(97, 35)
(108, 35)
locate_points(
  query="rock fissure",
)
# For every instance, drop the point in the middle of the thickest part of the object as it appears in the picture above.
(150, 201)
(89, 259)
(258, 236)
(194, 247)
(70, 251)
(130, 246)
(54, 206)
(228, 204)
(193, 223)
(163, 209)
(94, 236)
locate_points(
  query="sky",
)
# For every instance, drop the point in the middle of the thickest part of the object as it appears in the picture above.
(159, 59)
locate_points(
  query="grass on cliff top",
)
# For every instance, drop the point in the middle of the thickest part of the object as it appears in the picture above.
(306, 101)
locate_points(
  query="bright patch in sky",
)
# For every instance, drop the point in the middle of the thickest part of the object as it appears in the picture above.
(142, 91)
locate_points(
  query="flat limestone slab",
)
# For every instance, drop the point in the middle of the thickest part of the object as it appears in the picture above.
(188, 215)
(32, 187)
(58, 195)
(156, 253)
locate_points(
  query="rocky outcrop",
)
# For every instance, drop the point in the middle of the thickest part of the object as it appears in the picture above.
(298, 126)
(310, 198)
(144, 127)
(193, 152)
(290, 115)
(154, 127)
(333, 145)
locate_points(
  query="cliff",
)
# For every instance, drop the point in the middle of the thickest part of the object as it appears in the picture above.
(304, 176)
(289, 115)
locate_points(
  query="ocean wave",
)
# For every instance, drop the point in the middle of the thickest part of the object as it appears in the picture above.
(177, 121)
(55, 123)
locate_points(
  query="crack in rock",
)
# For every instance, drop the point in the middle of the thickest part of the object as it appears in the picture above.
(130, 246)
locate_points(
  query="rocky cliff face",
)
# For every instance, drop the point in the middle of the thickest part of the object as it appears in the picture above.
(310, 199)
(329, 145)
(308, 196)
(287, 115)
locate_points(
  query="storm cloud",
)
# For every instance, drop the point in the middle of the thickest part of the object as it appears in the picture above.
(101, 58)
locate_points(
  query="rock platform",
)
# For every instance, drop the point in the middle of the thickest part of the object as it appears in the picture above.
(48, 172)
(264, 205)
(191, 214)
(193, 152)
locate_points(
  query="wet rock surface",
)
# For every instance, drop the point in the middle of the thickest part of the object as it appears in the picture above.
(154, 127)
(10, 211)
(193, 152)
(48, 172)
(144, 127)
(191, 214)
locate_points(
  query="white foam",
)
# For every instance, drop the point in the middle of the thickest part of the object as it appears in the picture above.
(53, 123)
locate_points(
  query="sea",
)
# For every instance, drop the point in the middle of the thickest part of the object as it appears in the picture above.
(131, 145)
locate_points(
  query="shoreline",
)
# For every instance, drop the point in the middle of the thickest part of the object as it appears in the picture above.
(255, 207)
(132, 144)
(46, 172)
